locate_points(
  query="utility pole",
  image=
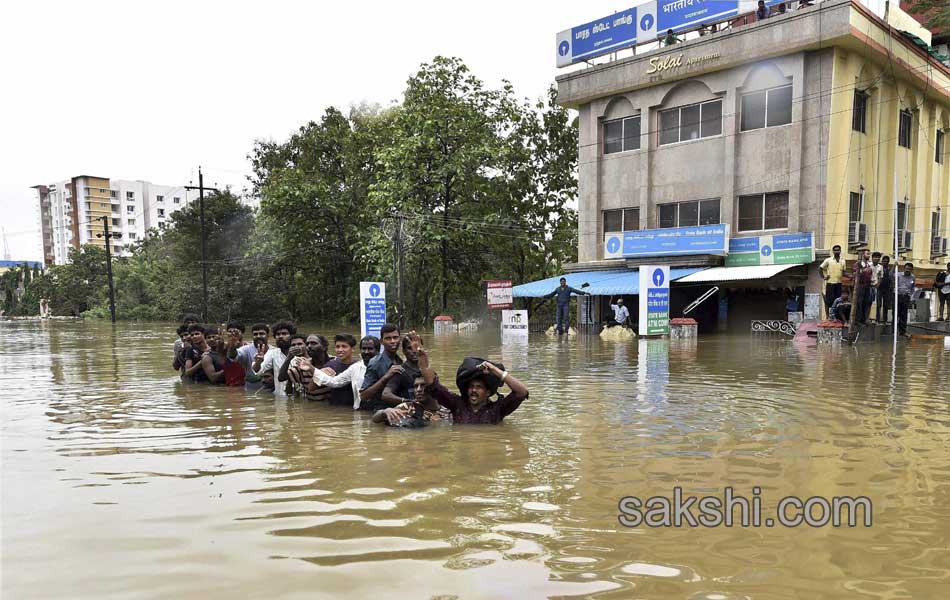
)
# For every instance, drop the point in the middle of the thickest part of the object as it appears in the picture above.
(108, 238)
(204, 265)
(396, 234)
(399, 271)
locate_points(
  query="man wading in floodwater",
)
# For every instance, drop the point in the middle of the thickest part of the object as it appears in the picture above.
(381, 369)
(563, 293)
(476, 385)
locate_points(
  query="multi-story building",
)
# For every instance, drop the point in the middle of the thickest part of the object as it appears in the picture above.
(828, 121)
(72, 212)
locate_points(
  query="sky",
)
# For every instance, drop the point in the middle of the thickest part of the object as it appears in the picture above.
(133, 90)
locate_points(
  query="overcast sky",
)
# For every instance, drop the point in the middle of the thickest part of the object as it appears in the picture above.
(133, 90)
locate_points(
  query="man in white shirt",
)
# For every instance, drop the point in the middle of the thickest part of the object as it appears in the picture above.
(353, 376)
(621, 313)
(267, 364)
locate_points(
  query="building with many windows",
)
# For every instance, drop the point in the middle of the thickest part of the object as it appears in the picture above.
(827, 120)
(72, 212)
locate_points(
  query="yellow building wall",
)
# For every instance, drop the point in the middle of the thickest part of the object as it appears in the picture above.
(99, 204)
(873, 158)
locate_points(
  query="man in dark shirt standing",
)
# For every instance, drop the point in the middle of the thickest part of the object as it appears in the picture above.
(885, 290)
(191, 354)
(381, 369)
(942, 285)
(473, 405)
(563, 293)
(399, 388)
(863, 274)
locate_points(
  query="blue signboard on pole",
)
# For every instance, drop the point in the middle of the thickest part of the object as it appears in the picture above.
(372, 307)
(674, 241)
(654, 317)
(645, 22)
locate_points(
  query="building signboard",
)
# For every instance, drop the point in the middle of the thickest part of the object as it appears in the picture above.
(654, 317)
(372, 307)
(499, 293)
(776, 249)
(674, 241)
(645, 22)
(514, 323)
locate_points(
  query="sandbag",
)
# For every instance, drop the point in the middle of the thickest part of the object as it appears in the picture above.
(552, 331)
(469, 369)
(617, 333)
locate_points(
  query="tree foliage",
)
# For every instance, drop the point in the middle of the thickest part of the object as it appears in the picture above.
(470, 182)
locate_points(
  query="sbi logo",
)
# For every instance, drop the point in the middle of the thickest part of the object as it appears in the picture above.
(374, 290)
(646, 23)
(658, 277)
(766, 250)
(564, 48)
(613, 245)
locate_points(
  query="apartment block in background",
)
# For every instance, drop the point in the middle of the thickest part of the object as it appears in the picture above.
(72, 212)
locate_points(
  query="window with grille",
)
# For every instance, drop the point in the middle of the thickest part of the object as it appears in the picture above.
(621, 135)
(691, 122)
(768, 108)
(688, 214)
(760, 212)
(622, 219)
(903, 134)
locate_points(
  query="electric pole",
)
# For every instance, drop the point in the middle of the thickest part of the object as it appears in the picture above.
(108, 239)
(204, 265)
(397, 234)
(399, 272)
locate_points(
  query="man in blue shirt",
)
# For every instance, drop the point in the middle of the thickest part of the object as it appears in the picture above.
(563, 294)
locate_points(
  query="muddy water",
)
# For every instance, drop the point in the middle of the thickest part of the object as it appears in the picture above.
(119, 481)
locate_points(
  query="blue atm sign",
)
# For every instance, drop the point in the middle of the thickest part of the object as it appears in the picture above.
(654, 315)
(372, 307)
(645, 22)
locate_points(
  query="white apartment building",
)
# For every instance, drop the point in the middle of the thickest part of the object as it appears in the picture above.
(72, 212)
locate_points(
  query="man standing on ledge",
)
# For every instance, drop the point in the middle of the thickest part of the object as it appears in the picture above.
(905, 292)
(563, 293)
(831, 270)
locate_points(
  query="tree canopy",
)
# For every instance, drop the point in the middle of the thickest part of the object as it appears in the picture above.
(457, 183)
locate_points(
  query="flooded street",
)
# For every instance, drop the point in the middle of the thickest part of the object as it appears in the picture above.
(120, 481)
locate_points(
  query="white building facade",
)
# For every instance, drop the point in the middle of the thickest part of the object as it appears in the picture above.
(72, 212)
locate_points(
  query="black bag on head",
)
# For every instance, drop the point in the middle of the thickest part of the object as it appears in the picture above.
(469, 370)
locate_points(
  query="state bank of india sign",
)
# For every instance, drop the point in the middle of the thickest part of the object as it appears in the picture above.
(659, 64)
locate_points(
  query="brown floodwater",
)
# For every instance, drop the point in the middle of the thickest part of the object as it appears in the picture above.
(120, 481)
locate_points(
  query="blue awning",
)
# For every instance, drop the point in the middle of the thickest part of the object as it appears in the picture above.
(602, 283)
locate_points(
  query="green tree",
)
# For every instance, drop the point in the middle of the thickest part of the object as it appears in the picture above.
(229, 228)
(80, 284)
(314, 209)
(485, 182)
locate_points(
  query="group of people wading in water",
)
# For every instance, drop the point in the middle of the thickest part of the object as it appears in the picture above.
(400, 390)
